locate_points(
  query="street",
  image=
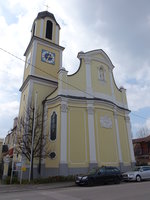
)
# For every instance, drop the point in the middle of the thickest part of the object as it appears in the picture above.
(124, 191)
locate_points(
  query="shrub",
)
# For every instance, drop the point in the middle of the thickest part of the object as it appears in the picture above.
(51, 179)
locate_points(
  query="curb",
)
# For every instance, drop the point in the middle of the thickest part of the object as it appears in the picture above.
(21, 188)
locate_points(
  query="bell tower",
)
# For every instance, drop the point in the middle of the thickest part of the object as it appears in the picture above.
(46, 27)
(43, 60)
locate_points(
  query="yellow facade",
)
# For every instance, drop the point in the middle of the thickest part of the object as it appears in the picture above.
(53, 146)
(106, 140)
(44, 69)
(85, 115)
(124, 140)
(77, 135)
(76, 81)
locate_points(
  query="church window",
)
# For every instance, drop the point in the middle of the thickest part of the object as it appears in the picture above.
(49, 30)
(101, 74)
(53, 126)
(52, 155)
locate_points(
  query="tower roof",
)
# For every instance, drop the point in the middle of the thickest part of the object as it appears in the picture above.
(43, 14)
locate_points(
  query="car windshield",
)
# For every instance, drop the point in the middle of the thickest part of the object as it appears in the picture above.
(92, 171)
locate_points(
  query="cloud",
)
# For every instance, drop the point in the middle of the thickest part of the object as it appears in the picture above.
(118, 27)
(138, 96)
(8, 111)
(12, 107)
(148, 124)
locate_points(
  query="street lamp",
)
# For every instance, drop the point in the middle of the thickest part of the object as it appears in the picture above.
(33, 130)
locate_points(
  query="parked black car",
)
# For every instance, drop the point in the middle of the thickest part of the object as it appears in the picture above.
(100, 175)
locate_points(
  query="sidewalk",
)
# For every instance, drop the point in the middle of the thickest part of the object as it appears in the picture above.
(26, 187)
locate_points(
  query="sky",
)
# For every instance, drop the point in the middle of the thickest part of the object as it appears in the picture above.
(120, 27)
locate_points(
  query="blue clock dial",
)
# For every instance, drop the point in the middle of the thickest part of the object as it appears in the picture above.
(48, 57)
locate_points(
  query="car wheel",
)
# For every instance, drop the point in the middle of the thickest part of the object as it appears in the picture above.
(138, 178)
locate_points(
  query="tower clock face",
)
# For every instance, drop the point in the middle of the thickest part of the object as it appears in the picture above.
(48, 57)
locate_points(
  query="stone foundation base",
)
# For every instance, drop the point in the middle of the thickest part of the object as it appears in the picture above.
(64, 170)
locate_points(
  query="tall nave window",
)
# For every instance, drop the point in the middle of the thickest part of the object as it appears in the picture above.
(53, 126)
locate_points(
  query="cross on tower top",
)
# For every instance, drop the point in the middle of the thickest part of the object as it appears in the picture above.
(47, 7)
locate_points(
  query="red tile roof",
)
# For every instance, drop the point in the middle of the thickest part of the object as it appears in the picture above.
(144, 139)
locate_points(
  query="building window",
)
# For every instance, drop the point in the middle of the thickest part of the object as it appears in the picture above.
(49, 30)
(53, 126)
(52, 155)
(101, 74)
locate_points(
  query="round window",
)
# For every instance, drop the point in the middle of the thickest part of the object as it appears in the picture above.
(52, 155)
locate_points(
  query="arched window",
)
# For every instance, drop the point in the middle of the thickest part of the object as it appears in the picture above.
(53, 126)
(101, 74)
(49, 29)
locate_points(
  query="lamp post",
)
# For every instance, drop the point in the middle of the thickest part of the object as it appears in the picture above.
(13, 161)
(33, 130)
(22, 146)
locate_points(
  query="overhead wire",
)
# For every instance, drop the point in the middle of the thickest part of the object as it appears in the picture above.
(56, 77)
(45, 72)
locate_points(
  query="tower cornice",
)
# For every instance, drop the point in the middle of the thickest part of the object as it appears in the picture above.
(35, 38)
(36, 78)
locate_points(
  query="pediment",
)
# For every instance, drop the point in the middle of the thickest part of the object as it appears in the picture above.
(98, 55)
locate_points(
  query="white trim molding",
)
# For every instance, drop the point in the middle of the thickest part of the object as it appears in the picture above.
(62, 74)
(63, 134)
(33, 60)
(111, 84)
(78, 93)
(57, 35)
(118, 137)
(128, 124)
(88, 77)
(91, 131)
(41, 28)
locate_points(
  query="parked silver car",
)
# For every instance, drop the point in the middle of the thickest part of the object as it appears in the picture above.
(140, 173)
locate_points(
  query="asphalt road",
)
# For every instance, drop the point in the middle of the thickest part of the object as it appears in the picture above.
(124, 191)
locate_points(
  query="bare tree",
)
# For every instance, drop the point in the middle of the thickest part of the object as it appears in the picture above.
(37, 149)
(143, 132)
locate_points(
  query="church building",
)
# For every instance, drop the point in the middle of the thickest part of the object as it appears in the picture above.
(86, 116)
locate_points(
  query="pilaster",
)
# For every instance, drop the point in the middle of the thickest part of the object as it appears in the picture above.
(62, 82)
(33, 59)
(128, 124)
(118, 137)
(41, 28)
(63, 168)
(88, 77)
(111, 84)
(91, 128)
